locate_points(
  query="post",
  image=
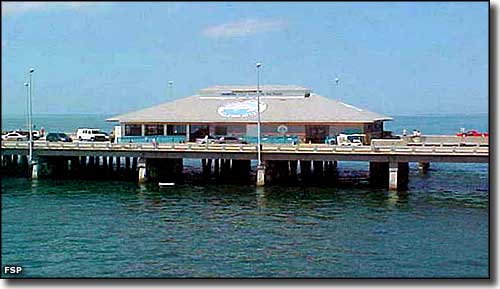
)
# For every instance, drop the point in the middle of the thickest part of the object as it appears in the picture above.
(258, 65)
(142, 170)
(393, 176)
(35, 169)
(261, 174)
(398, 175)
(260, 168)
(30, 118)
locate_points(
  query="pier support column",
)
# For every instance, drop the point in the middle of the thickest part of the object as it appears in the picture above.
(293, 170)
(282, 171)
(305, 170)
(318, 170)
(379, 174)
(119, 164)
(393, 176)
(110, 165)
(261, 175)
(216, 167)
(142, 169)
(227, 167)
(398, 176)
(35, 168)
(134, 164)
(127, 164)
(25, 166)
(423, 166)
(15, 164)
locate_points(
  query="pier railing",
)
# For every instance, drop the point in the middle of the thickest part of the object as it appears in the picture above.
(269, 148)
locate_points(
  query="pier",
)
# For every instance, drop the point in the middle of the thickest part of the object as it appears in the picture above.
(313, 163)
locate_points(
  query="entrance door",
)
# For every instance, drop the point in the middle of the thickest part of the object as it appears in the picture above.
(316, 133)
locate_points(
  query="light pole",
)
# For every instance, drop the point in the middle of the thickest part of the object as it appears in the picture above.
(30, 118)
(27, 85)
(259, 163)
(337, 80)
(170, 85)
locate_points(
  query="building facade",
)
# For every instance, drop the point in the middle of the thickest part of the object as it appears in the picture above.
(289, 114)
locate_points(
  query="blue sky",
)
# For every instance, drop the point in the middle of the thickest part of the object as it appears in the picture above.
(394, 58)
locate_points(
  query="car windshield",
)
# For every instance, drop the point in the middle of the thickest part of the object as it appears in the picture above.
(61, 135)
(95, 131)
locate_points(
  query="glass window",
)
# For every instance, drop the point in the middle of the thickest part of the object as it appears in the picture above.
(178, 129)
(220, 130)
(154, 129)
(133, 130)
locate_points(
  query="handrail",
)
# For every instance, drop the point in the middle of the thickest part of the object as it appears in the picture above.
(267, 148)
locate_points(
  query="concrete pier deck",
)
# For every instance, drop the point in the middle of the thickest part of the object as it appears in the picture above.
(388, 163)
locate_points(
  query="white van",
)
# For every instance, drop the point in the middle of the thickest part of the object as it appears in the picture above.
(91, 134)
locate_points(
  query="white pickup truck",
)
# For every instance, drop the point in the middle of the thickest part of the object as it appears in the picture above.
(91, 134)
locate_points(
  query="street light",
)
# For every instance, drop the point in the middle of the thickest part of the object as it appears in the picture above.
(259, 163)
(170, 85)
(337, 80)
(30, 117)
(27, 85)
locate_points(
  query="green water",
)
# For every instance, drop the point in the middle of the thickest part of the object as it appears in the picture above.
(72, 228)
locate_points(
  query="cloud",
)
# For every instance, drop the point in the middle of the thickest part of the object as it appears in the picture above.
(244, 28)
(9, 8)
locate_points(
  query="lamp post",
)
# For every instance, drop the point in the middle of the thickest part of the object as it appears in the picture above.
(337, 80)
(170, 85)
(27, 85)
(259, 163)
(30, 118)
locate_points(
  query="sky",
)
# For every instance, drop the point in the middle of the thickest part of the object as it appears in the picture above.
(395, 58)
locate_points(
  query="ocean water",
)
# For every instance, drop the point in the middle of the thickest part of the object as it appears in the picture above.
(75, 228)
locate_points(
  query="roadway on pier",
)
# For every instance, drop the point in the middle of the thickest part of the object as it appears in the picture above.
(319, 152)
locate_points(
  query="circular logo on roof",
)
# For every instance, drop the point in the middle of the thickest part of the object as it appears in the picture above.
(245, 108)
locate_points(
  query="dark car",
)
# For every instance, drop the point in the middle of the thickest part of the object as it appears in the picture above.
(58, 136)
(230, 140)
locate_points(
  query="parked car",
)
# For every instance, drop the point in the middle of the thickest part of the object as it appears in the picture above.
(350, 139)
(58, 136)
(91, 134)
(207, 139)
(34, 133)
(14, 136)
(472, 132)
(230, 140)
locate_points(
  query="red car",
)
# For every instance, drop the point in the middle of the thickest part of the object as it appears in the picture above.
(472, 132)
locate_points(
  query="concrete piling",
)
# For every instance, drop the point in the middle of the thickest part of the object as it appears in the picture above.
(305, 170)
(261, 173)
(379, 174)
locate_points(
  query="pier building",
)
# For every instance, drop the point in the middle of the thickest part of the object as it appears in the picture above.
(295, 124)
(289, 114)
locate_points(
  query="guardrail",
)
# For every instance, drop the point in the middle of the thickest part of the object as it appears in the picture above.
(267, 148)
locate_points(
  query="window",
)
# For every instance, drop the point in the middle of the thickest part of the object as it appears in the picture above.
(153, 129)
(133, 130)
(220, 130)
(178, 129)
